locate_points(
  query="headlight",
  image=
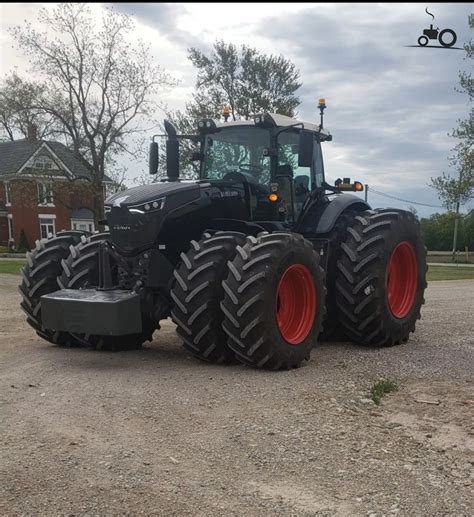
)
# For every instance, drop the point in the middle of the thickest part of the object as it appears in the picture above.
(150, 206)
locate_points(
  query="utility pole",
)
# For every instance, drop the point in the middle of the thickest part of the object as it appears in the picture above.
(455, 237)
(366, 192)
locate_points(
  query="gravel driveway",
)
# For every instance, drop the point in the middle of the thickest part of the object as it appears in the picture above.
(156, 432)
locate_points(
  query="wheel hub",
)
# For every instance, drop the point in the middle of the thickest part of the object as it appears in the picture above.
(296, 304)
(402, 279)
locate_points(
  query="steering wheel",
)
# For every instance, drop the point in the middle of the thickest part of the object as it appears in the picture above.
(247, 167)
(239, 176)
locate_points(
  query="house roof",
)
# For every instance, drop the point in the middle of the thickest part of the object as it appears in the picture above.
(13, 155)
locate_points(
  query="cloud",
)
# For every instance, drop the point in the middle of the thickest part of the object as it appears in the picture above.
(164, 18)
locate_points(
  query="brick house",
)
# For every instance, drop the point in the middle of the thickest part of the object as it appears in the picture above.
(40, 192)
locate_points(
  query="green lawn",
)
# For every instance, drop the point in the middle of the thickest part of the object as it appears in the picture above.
(11, 266)
(434, 273)
(450, 273)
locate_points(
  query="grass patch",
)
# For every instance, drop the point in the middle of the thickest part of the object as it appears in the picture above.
(11, 267)
(380, 388)
(434, 272)
(449, 273)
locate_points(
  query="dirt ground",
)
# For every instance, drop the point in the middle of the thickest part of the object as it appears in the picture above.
(156, 432)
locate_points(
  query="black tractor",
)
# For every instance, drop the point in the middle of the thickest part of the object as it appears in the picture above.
(250, 261)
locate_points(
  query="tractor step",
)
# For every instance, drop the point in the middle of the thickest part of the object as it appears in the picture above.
(89, 311)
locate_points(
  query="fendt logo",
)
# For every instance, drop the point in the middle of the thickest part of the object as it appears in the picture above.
(445, 37)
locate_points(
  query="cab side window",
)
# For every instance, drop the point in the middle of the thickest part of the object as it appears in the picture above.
(318, 164)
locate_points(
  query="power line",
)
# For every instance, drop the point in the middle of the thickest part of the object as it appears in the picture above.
(404, 200)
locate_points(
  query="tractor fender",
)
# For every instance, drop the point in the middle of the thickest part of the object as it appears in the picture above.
(334, 209)
(323, 219)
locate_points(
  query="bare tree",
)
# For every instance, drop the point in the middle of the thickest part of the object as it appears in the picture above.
(17, 97)
(96, 84)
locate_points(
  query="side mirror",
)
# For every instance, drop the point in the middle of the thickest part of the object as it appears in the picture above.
(306, 147)
(153, 158)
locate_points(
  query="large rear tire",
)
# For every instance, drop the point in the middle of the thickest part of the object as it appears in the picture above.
(381, 277)
(81, 270)
(332, 330)
(197, 292)
(39, 278)
(274, 301)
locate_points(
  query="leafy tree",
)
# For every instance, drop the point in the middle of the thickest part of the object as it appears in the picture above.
(456, 191)
(246, 80)
(95, 83)
(438, 229)
(242, 78)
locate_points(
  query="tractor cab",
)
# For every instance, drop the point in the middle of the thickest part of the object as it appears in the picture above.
(267, 168)
(276, 158)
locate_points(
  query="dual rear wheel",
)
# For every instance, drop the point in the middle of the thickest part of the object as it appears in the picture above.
(381, 277)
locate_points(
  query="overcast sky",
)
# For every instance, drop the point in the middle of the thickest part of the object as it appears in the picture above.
(390, 106)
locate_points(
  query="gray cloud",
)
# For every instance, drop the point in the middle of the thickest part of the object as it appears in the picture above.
(164, 18)
(390, 106)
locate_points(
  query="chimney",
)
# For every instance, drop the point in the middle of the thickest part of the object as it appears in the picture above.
(32, 132)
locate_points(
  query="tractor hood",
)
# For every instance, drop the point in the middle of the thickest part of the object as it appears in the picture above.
(137, 196)
(138, 217)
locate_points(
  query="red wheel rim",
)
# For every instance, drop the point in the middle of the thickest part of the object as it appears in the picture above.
(402, 279)
(296, 304)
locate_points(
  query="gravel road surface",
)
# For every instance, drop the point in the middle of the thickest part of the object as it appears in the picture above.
(155, 432)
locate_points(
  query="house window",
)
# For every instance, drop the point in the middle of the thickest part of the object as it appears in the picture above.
(8, 194)
(43, 162)
(45, 194)
(82, 225)
(10, 227)
(47, 227)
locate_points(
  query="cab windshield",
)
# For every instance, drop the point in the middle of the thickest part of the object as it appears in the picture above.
(237, 149)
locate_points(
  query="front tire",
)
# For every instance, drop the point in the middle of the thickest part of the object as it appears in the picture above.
(381, 277)
(197, 292)
(39, 278)
(422, 41)
(274, 301)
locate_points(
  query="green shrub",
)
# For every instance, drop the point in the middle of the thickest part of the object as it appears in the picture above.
(23, 245)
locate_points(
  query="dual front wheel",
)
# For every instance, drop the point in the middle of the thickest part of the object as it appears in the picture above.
(258, 300)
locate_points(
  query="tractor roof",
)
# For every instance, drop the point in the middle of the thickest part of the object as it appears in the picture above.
(280, 121)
